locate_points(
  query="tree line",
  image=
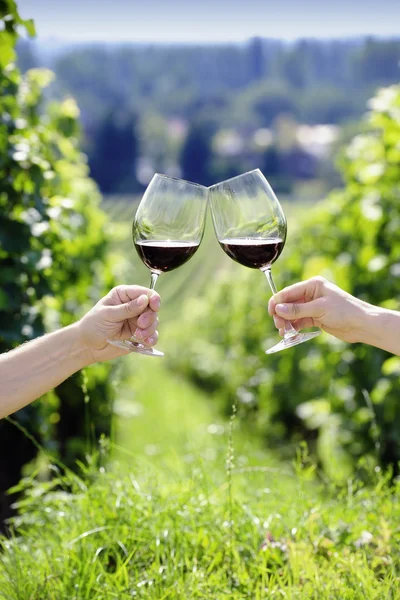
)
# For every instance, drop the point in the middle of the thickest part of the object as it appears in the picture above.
(128, 94)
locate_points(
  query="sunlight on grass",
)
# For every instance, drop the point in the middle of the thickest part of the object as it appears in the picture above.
(119, 534)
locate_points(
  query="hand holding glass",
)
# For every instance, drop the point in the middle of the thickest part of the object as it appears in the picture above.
(167, 230)
(251, 228)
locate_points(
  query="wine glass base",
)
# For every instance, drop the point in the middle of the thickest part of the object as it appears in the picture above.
(293, 341)
(135, 347)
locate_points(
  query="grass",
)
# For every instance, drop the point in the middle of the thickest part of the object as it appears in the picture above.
(186, 505)
(142, 534)
(182, 508)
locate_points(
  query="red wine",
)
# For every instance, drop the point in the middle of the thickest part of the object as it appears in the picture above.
(255, 253)
(163, 256)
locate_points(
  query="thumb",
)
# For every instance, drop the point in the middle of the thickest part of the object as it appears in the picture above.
(293, 311)
(128, 310)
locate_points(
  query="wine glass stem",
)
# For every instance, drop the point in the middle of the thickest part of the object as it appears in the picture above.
(153, 281)
(290, 331)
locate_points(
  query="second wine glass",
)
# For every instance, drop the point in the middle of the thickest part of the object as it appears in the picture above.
(167, 230)
(251, 228)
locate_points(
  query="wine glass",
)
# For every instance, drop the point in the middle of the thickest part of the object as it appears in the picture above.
(251, 228)
(167, 230)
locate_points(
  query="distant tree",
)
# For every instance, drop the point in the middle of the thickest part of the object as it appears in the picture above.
(113, 153)
(176, 81)
(295, 65)
(257, 59)
(271, 163)
(276, 170)
(197, 153)
(378, 61)
(100, 79)
(26, 56)
(270, 101)
(299, 164)
(329, 104)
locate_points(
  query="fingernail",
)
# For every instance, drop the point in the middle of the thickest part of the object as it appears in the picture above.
(151, 340)
(138, 334)
(142, 300)
(155, 300)
(282, 308)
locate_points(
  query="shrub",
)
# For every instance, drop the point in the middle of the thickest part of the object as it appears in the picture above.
(52, 250)
(344, 396)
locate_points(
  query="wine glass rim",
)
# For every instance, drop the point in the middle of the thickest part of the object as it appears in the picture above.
(236, 177)
(180, 179)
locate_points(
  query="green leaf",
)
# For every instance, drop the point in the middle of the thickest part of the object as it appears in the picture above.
(391, 366)
(30, 27)
(3, 300)
(7, 52)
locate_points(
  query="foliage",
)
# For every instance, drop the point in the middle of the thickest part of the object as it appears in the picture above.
(196, 154)
(114, 152)
(237, 87)
(122, 535)
(344, 396)
(377, 61)
(52, 248)
(178, 80)
(265, 101)
(330, 104)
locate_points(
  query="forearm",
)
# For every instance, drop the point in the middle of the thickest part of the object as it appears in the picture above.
(381, 328)
(31, 370)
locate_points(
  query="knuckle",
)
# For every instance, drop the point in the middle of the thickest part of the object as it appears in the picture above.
(114, 294)
(295, 309)
(318, 279)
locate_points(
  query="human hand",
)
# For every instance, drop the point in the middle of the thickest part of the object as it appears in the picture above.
(319, 303)
(126, 311)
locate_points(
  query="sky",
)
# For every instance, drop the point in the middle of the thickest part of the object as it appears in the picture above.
(209, 20)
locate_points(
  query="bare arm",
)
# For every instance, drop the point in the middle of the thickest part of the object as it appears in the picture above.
(382, 329)
(34, 368)
(319, 303)
(38, 366)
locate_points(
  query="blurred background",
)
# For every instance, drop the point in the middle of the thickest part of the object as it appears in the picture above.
(208, 92)
(105, 94)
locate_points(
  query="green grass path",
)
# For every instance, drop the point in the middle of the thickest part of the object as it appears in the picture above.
(166, 418)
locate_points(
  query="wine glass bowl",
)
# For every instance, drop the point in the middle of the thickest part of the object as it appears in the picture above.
(251, 228)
